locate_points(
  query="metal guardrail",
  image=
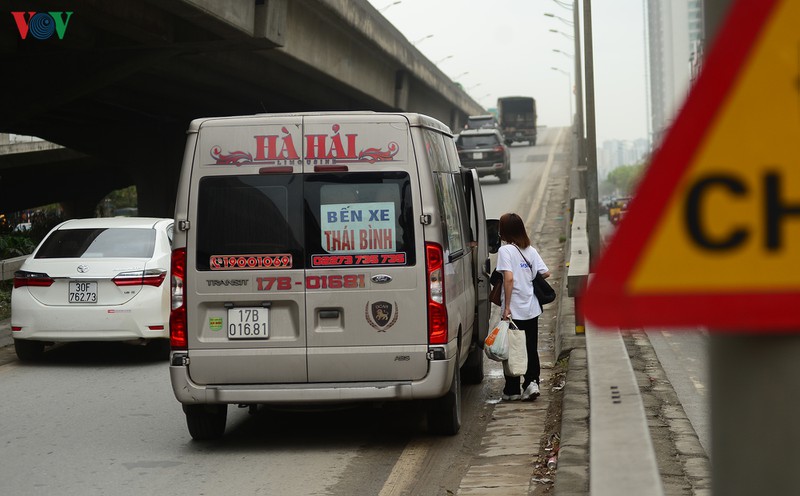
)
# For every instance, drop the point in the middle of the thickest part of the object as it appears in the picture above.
(9, 266)
(621, 450)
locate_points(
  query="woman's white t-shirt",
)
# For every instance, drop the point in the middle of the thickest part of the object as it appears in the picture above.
(524, 304)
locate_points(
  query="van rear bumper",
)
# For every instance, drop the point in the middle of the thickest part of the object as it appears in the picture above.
(435, 384)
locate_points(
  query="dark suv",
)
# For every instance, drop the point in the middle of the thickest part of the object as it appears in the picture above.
(485, 151)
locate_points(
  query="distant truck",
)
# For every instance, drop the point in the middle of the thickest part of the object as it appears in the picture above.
(517, 116)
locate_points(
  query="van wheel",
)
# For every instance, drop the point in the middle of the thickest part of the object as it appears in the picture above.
(28, 351)
(444, 415)
(504, 177)
(206, 422)
(472, 371)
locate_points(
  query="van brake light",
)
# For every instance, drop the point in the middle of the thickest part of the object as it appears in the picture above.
(437, 311)
(177, 317)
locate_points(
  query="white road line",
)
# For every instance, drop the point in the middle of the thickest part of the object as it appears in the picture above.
(534, 211)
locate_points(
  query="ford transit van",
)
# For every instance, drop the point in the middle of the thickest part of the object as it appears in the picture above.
(326, 258)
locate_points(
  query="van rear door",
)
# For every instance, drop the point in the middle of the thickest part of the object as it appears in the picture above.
(481, 262)
(365, 274)
(245, 281)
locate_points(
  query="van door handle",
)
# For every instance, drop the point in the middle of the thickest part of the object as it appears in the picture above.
(329, 314)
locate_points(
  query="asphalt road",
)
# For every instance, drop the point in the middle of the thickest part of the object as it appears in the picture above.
(101, 418)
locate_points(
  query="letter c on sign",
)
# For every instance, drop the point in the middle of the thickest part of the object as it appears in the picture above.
(692, 212)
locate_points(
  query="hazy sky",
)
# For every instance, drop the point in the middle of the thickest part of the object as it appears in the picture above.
(506, 48)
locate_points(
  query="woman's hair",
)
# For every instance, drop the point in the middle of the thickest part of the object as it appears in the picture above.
(512, 230)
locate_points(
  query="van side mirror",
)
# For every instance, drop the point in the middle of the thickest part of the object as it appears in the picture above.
(493, 233)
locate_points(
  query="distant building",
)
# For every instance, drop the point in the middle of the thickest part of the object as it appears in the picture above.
(615, 153)
(674, 31)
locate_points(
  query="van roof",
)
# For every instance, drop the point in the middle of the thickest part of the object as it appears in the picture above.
(414, 119)
(474, 132)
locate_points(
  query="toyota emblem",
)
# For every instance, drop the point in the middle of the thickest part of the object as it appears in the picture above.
(83, 268)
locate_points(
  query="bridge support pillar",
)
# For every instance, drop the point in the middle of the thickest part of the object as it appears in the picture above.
(155, 189)
(401, 90)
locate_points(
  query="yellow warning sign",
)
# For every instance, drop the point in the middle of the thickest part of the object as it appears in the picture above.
(717, 216)
(737, 209)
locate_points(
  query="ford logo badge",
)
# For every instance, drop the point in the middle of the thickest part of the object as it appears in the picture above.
(381, 278)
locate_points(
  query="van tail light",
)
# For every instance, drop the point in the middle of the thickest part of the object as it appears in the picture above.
(437, 311)
(177, 317)
(498, 149)
(24, 278)
(150, 277)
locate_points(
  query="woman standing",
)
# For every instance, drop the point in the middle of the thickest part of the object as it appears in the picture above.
(517, 260)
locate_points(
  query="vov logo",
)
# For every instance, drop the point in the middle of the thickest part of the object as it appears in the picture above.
(42, 25)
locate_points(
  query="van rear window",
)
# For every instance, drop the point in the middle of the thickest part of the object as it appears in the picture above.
(280, 221)
(363, 218)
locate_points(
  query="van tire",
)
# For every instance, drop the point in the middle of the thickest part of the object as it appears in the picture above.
(28, 351)
(444, 414)
(472, 371)
(206, 422)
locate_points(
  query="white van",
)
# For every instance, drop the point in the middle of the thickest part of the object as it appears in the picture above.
(326, 258)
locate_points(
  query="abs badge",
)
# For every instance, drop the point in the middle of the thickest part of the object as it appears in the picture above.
(381, 315)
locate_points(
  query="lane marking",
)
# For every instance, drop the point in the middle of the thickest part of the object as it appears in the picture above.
(406, 469)
(536, 205)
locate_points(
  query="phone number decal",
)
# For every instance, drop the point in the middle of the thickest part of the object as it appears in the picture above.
(371, 259)
(336, 281)
(246, 262)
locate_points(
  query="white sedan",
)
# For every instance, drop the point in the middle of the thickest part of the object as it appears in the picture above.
(100, 279)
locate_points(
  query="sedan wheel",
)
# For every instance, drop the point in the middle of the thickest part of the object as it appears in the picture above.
(28, 351)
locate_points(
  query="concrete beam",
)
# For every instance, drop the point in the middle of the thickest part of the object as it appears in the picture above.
(623, 460)
(11, 265)
(579, 249)
(366, 45)
(241, 19)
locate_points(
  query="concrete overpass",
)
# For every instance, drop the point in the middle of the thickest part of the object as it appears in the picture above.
(119, 81)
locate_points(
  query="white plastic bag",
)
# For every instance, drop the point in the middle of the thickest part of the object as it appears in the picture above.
(495, 346)
(517, 362)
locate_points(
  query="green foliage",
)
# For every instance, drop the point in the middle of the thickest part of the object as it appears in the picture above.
(623, 179)
(15, 245)
(123, 198)
(5, 299)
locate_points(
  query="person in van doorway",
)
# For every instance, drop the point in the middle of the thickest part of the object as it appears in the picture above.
(517, 260)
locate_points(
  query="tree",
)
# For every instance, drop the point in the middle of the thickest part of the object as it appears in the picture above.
(623, 179)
